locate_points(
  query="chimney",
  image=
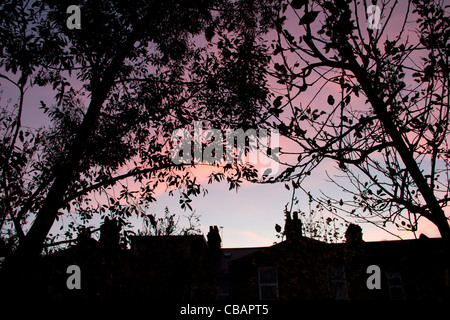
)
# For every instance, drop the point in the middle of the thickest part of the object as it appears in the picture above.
(353, 234)
(110, 233)
(214, 240)
(293, 227)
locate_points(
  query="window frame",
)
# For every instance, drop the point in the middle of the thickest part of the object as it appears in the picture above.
(395, 282)
(337, 279)
(273, 284)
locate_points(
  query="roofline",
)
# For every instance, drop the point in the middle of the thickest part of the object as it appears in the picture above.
(339, 243)
(239, 248)
(402, 240)
(168, 236)
(171, 236)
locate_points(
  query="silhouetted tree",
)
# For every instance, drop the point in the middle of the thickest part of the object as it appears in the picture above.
(312, 224)
(377, 104)
(169, 224)
(133, 73)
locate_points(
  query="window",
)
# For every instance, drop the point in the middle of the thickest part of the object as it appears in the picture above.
(337, 282)
(223, 290)
(396, 286)
(268, 283)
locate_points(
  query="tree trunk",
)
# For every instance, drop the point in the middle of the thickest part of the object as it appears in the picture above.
(19, 269)
(435, 213)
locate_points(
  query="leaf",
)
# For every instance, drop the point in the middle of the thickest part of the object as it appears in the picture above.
(277, 102)
(308, 18)
(277, 228)
(298, 4)
(330, 100)
(347, 99)
(209, 33)
(276, 112)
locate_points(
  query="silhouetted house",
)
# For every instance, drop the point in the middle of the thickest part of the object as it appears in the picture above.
(104, 266)
(299, 268)
(411, 269)
(192, 267)
(307, 269)
(225, 287)
(171, 267)
(174, 267)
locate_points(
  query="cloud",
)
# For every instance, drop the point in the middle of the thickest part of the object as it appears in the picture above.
(243, 238)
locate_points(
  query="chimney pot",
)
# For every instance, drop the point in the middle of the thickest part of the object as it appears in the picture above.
(293, 228)
(214, 240)
(353, 234)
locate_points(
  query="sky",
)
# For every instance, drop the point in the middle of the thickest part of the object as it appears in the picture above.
(246, 218)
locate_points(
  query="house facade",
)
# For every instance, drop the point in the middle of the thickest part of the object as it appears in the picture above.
(301, 268)
(189, 268)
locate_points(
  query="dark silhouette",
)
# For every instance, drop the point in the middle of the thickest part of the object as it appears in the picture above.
(293, 227)
(187, 267)
(123, 83)
(133, 74)
(110, 234)
(214, 240)
(380, 107)
(353, 234)
(306, 269)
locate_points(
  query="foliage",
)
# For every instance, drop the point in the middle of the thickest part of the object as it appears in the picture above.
(169, 224)
(315, 225)
(137, 71)
(377, 105)
(133, 73)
